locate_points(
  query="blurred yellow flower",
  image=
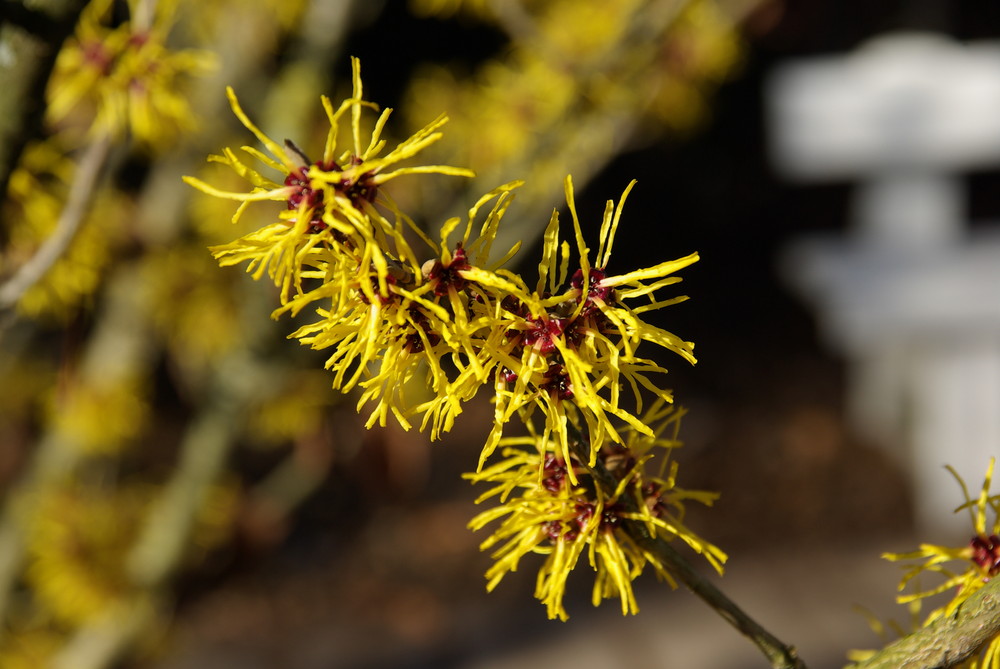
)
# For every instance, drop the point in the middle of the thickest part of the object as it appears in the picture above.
(446, 8)
(703, 49)
(263, 20)
(192, 306)
(80, 537)
(78, 541)
(35, 199)
(30, 645)
(576, 80)
(292, 408)
(101, 416)
(124, 80)
(507, 107)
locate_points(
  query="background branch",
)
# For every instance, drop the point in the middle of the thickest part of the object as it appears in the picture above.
(80, 194)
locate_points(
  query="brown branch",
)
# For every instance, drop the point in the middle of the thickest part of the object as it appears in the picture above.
(779, 654)
(947, 641)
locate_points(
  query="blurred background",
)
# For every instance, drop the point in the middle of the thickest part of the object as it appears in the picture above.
(182, 488)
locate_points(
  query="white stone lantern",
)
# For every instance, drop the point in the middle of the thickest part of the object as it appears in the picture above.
(910, 296)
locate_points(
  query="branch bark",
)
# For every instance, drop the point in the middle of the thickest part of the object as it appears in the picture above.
(947, 641)
(80, 194)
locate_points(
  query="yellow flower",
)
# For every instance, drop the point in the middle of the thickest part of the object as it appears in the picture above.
(446, 8)
(980, 558)
(563, 512)
(124, 79)
(102, 416)
(424, 316)
(964, 569)
(570, 349)
(78, 543)
(329, 202)
(30, 645)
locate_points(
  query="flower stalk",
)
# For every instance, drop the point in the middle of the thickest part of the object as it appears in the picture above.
(778, 653)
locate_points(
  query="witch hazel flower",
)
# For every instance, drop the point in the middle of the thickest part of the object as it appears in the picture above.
(566, 348)
(125, 80)
(965, 569)
(329, 202)
(428, 320)
(556, 508)
(570, 344)
(962, 570)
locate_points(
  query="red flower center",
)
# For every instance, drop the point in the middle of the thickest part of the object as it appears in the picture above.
(447, 277)
(986, 553)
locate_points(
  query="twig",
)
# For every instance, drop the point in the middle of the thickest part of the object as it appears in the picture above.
(779, 654)
(80, 193)
(947, 641)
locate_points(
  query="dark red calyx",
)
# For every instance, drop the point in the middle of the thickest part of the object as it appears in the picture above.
(557, 383)
(358, 189)
(447, 277)
(414, 342)
(986, 553)
(543, 332)
(507, 375)
(595, 291)
(303, 195)
(553, 473)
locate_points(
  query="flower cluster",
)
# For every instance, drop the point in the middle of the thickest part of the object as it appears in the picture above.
(567, 346)
(570, 343)
(550, 514)
(418, 336)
